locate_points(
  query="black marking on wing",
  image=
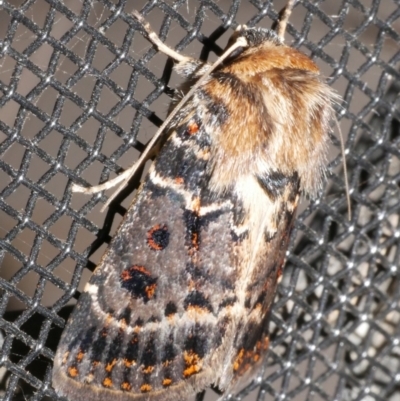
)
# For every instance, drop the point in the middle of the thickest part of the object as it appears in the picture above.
(182, 165)
(275, 182)
(197, 299)
(149, 356)
(197, 341)
(170, 309)
(158, 237)
(125, 315)
(139, 282)
(169, 351)
(192, 222)
(228, 302)
(99, 345)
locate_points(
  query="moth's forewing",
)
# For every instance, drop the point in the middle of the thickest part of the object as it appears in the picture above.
(180, 300)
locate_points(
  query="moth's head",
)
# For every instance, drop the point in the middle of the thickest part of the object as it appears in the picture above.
(254, 38)
(257, 36)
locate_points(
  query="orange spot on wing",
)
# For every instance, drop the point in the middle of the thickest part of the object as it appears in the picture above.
(191, 370)
(145, 388)
(148, 369)
(153, 245)
(73, 371)
(141, 269)
(245, 359)
(128, 363)
(107, 382)
(238, 360)
(80, 356)
(192, 128)
(193, 364)
(195, 241)
(126, 386)
(150, 290)
(110, 365)
(179, 180)
(166, 382)
(125, 275)
(197, 309)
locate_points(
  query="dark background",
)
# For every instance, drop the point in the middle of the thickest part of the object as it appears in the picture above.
(81, 94)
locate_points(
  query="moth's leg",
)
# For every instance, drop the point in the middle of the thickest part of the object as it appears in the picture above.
(285, 15)
(161, 46)
(186, 66)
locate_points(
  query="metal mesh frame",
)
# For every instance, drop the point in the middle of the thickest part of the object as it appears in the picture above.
(335, 323)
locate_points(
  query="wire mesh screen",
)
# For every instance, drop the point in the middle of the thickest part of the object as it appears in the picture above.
(82, 91)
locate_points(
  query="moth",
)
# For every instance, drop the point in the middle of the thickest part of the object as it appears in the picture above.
(181, 299)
